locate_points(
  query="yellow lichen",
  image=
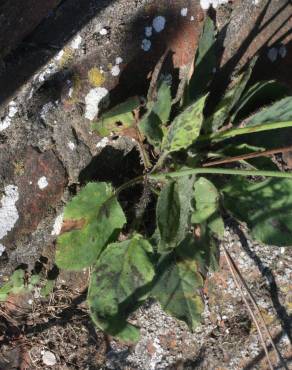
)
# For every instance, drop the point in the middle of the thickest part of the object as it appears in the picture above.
(18, 167)
(67, 57)
(95, 77)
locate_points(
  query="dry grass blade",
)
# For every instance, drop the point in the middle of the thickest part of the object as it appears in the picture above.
(264, 153)
(251, 297)
(233, 273)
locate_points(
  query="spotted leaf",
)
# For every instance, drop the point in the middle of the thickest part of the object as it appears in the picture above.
(95, 217)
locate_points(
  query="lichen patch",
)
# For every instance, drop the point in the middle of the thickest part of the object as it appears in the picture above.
(92, 101)
(95, 77)
(42, 182)
(8, 211)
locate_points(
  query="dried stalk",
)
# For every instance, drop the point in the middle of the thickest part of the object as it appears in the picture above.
(233, 273)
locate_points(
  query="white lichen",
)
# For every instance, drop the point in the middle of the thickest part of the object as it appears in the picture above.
(6, 121)
(102, 143)
(205, 4)
(103, 31)
(119, 60)
(42, 182)
(273, 54)
(76, 42)
(184, 12)
(92, 101)
(71, 145)
(148, 31)
(2, 249)
(8, 211)
(192, 18)
(146, 44)
(57, 225)
(282, 51)
(158, 23)
(115, 71)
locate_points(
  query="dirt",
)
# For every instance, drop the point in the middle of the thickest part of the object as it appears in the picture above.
(47, 151)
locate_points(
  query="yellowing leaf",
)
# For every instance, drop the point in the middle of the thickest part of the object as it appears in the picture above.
(98, 216)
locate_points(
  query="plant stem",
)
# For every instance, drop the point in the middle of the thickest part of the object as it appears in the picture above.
(220, 171)
(222, 135)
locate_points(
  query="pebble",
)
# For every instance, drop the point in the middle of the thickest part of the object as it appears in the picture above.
(49, 359)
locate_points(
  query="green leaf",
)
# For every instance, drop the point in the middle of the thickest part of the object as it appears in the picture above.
(205, 62)
(48, 288)
(229, 101)
(14, 285)
(206, 210)
(96, 217)
(265, 206)
(280, 111)
(119, 279)
(173, 212)
(118, 118)
(177, 286)
(116, 326)
(257, 95)
(162, 106)
(151, 127)
(185, 128)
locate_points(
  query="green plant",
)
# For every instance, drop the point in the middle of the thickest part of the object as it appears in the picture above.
(130, 263)
(18, 284)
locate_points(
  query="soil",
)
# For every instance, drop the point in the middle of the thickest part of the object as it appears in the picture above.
(48, 151)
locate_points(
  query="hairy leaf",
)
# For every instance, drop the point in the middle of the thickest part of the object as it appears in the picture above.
(185, 128)
(118, 118)
(173, 212)
(91, 220)
(205, 62)
(118, 281)
(178, 284)
(265, 206)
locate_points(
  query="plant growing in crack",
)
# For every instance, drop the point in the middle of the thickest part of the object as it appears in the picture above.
(188, 140)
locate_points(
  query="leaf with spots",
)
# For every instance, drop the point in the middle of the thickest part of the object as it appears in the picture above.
(117, 119)
(120, 278)
(185, 128)
(173, 212)
(95, 217)
(178, 284)
(265, 206)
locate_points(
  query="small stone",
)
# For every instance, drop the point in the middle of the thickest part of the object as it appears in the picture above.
(49, 359)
